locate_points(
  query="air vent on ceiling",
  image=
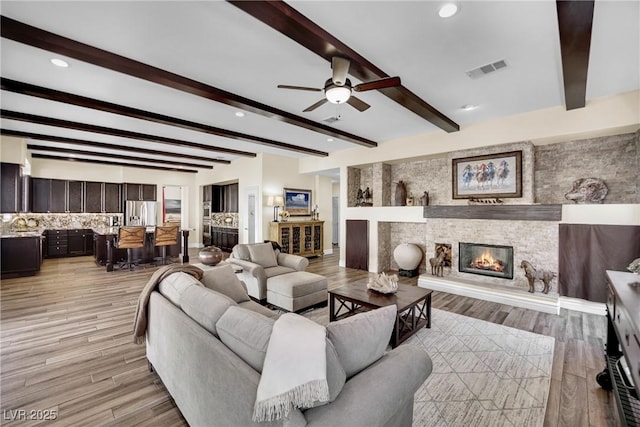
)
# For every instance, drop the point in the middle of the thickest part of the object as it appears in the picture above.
(487, 69)
(331, 119)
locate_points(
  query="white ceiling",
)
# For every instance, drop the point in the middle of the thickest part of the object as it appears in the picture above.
(218, 44)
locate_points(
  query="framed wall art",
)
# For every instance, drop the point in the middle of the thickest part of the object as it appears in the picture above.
(494, 175)
(297, 202)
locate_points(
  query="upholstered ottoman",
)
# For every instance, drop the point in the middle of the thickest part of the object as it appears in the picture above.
(296, 291)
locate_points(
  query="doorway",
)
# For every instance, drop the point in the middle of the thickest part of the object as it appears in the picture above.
(252, 218)
(335, 217)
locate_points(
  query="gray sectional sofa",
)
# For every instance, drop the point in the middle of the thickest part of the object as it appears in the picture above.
(207, 344)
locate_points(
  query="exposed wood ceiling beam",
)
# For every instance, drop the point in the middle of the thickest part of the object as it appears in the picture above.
(109, 155)
(36, 37)
(52, 138)
(575, 21)
(288, 21)
(82, 101)
(67, 124)
(104, 162)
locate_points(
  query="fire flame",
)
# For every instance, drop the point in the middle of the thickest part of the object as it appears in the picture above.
(486, 261)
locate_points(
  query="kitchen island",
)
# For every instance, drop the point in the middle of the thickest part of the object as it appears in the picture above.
(21, 254)
(107, 254)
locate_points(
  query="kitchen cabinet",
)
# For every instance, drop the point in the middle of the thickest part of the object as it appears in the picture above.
(74, 196)
(102, 197)
(224, 198)
(146, 192)
(72, 242)
(10, 188)
(20, 256)
(304, 238)
(112, 198)
(80, 242)
(56, 195)
(40, 195)
(224, 238)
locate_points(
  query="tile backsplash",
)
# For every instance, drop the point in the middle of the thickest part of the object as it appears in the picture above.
(41, 221)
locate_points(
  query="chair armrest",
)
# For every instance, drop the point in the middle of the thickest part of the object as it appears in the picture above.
(247, 266)
(297, 262)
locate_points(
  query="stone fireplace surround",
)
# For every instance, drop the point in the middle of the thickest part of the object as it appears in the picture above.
(547, 172)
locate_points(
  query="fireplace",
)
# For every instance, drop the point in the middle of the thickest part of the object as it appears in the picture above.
(486, 260)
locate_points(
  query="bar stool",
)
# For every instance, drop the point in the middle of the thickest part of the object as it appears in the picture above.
(166, 235)
(130, 238)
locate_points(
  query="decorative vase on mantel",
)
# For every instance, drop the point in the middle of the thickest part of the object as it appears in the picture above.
(408, 257)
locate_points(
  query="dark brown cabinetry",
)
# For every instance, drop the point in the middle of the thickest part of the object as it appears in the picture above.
(40, 195)
(102, 197)
(146, 192)
(224, 238)
(74, 242)
(357, 248)
(57, 195)
(80, 242)
(11, 188)
(224, 198)
(20, 256)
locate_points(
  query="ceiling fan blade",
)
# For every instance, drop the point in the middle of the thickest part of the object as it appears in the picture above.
(340, 67)
(311, 89)
(378, 84)
(314, 106)
(357, 103)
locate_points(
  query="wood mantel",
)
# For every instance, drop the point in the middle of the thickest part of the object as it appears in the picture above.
(499, 212)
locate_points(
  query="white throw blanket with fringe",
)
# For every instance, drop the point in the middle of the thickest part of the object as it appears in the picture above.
(294, 374)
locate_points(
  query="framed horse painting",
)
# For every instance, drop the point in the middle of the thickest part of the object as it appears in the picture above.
(493, 175)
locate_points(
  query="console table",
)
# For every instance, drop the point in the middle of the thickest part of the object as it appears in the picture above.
(304, 238)
(623, 343)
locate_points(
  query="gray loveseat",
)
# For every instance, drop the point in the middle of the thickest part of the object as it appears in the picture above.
(213, 385)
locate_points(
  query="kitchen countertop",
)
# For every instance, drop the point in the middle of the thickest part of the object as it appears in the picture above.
(18, 234)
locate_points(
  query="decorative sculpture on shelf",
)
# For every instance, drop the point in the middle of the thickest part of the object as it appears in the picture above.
(424, 199)
(532, 275)
(437, 264)
(383, 283)
(359, 197)
(401, 193)
(634, 267)
(587, 190)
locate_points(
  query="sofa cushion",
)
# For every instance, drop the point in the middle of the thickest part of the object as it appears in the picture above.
(173, 286)
(247, 334)
(223, 279)
(259, 308)
(263, 254)
(362, 339)
(336, 376)
(205, 306)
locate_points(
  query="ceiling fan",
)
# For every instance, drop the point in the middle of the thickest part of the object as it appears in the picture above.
(337, 89)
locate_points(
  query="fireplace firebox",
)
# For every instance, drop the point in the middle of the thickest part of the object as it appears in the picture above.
(486, 260)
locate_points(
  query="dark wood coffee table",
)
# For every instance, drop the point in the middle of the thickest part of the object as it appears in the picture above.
(356, 298)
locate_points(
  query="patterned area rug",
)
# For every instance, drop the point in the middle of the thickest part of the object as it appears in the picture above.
(483, 374)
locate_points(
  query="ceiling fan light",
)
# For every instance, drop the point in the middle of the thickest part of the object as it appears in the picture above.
(338, 94)
(448, 10)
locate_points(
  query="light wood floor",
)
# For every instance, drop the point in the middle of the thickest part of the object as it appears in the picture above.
(66, 347)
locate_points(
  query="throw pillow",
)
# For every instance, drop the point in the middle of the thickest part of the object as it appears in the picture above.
(362, 339)
(246, 334)
(222, 279)
(263, 254)
(205, 306)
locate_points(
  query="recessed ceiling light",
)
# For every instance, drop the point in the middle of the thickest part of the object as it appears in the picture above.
(469, 107)
(239, 114)
(329, 139)
(59, 62)
(448, 10)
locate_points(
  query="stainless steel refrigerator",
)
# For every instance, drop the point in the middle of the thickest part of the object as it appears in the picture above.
(141, 213)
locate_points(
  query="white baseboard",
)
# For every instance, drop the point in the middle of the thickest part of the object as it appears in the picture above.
(582, 305)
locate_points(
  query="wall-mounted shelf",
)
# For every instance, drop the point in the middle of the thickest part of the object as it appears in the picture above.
(500, 212)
